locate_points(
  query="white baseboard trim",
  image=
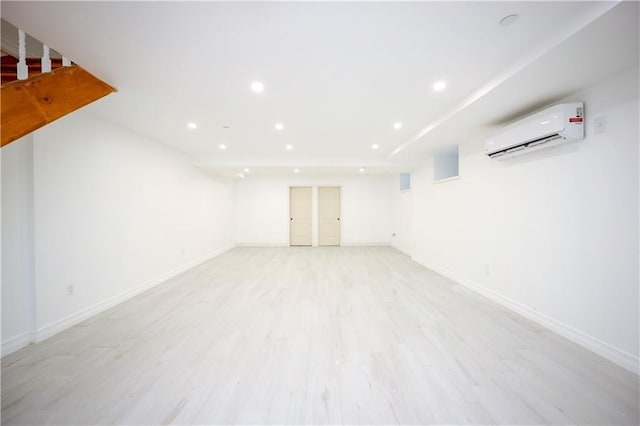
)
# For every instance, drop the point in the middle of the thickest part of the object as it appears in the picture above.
(49, 330)
(378, 244)
(15, 343)
(616, 355)
(262, 244)
(407, 252)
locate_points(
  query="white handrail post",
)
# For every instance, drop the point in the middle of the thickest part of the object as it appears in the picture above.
(46, 60)
(23, 69)
(66, 62)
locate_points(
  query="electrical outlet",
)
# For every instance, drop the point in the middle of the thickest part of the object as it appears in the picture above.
(70, 290)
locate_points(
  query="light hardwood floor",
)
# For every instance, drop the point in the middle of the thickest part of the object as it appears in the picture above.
(312, 335)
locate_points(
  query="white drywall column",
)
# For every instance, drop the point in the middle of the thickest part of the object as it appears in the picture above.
(18, 298)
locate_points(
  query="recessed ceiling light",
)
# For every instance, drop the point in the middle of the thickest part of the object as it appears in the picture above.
(279, 126)
(192, 125)
(288, 147)
(247, 170)
(222, 146)
(257, 86)
(439, 86)
(508, 20)
(296, 170)
(375, 146)
(397, 125)
(362, 169)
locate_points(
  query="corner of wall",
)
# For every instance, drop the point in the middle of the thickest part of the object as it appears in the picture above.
(622, 358)
(51, 329)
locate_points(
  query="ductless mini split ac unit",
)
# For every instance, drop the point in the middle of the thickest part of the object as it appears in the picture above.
(550, 127)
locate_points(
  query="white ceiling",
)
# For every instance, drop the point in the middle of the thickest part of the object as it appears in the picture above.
(338, 75)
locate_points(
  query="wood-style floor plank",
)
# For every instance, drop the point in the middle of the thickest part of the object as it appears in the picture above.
(330, 335)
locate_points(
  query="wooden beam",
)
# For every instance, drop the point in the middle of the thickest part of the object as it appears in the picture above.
(27, 105)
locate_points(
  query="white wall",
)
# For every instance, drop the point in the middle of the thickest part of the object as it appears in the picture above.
(402, 217)
(113, 213)
(262, 208)
(553, 234)
(17, 242)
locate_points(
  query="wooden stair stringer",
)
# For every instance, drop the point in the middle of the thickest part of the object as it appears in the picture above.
(27, 105)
